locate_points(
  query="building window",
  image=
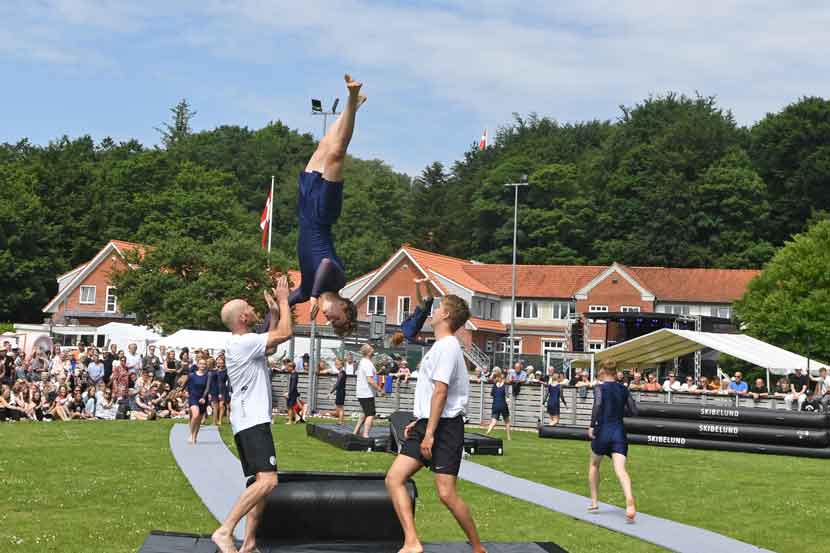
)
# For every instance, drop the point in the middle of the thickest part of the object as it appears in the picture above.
(597, 309)
(88, 295)
(494, 310)
(376, 305)
(488, 346)
(112, 300)
(595, 346)
(403, 308)
(504, 346)
(630, 308)
(720, 311)
(527, 310)
(676, 308)
(549, 346)
(562, 309)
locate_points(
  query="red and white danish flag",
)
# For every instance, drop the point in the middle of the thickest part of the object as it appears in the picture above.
(265, 221)
(482, 145)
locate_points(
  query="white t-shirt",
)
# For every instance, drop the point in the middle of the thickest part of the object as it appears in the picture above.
(250, 380)
(350, 369)
(365, 371)
(133, 362)
(444, 362)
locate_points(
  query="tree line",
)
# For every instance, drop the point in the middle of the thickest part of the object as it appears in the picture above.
(673, 181)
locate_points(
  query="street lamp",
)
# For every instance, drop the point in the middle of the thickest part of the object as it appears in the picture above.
(317, 109)
(515, 185)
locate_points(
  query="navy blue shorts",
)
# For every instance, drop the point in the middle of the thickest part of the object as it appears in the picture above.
(498, 413)
(610, 439)
(319, 201)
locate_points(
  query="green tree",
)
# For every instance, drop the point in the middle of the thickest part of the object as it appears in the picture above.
(179, 129)
(787, 304)
(791, 151)
(183, 283)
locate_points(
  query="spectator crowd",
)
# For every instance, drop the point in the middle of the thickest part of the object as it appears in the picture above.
(86, 383)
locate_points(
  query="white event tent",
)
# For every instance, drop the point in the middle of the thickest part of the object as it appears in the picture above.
(202, 339)
(667, 343)
(123, 334)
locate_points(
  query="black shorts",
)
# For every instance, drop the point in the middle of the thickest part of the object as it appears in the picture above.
(497, 414)
(447, 447)
(368, 405)
(256, 449)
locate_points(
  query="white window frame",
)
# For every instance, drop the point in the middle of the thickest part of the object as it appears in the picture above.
(488, 346)
(401, 310)
(630, 309)
(81, 294)
(533, 307)
(597, 309)
(555, 305)
(517, 346)
(546, 350)
(114, 301)
(370, 310)
(595, 343)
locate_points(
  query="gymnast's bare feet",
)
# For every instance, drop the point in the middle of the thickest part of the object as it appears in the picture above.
(630, 510)
(353, 87)
(252, 548)
(224, 541)
(414, 548)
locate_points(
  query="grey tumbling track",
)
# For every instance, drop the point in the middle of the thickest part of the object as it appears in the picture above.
(216, 475)
(659, 531)
(213, 471)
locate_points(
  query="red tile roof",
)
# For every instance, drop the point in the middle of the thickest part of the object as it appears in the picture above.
(563, 281)
(303, 310)
(704, 285)
(535, 281)
(493, 326)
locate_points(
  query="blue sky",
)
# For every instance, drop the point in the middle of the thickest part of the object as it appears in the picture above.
(436, 72)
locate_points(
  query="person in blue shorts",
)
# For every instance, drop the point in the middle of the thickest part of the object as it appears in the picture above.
(612, 401)
(500, 408)
(553, 397)
(413, 324)
(197, 396)
(319, 202)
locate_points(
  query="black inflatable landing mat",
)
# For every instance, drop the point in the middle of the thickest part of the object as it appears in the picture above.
(474, 443)
(342, 436)
(171, 542)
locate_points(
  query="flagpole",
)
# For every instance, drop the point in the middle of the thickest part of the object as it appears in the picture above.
(270, 220)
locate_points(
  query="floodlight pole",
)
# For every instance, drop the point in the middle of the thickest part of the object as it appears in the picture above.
(515, 185)
(325, 114)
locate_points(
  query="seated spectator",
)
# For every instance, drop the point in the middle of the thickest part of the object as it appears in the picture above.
(158, 400)
(636, 383)
(759, 390)
(95, 370)
(140, 405)
(37, 404)
(75, 405)
(651, 384)
(107, 408)
(59, 411)
(403, 370)
(689, 385)
(799, 383)
(9, 411)
(671, 384)
(177, 404)
(737, 386)
(822, 394)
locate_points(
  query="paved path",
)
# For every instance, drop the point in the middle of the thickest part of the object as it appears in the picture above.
(665, 533)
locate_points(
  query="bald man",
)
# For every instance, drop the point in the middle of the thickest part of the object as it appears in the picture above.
(250, 379)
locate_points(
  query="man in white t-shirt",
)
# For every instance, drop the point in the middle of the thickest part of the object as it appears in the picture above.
(350, 366)
(365, 388)
(436, 438)
(250, 379)
(133, 363)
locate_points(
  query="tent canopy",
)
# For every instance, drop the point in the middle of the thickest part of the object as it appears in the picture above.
(204, 339)
(667, 343)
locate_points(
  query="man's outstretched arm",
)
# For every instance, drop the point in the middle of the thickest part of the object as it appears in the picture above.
(280, 328)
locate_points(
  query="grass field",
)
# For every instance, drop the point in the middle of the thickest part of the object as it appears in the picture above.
(102, 486)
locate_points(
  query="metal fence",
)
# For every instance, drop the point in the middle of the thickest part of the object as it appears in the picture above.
(526, 409)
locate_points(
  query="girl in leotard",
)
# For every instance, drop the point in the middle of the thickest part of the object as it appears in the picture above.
(553, 397)
(611, 402)
(197, 396)
(415, 322)
(500, 408)
(339, 390)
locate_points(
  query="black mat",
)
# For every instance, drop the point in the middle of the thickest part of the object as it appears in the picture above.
(171, 542)
(474, 443)
(342, 436)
